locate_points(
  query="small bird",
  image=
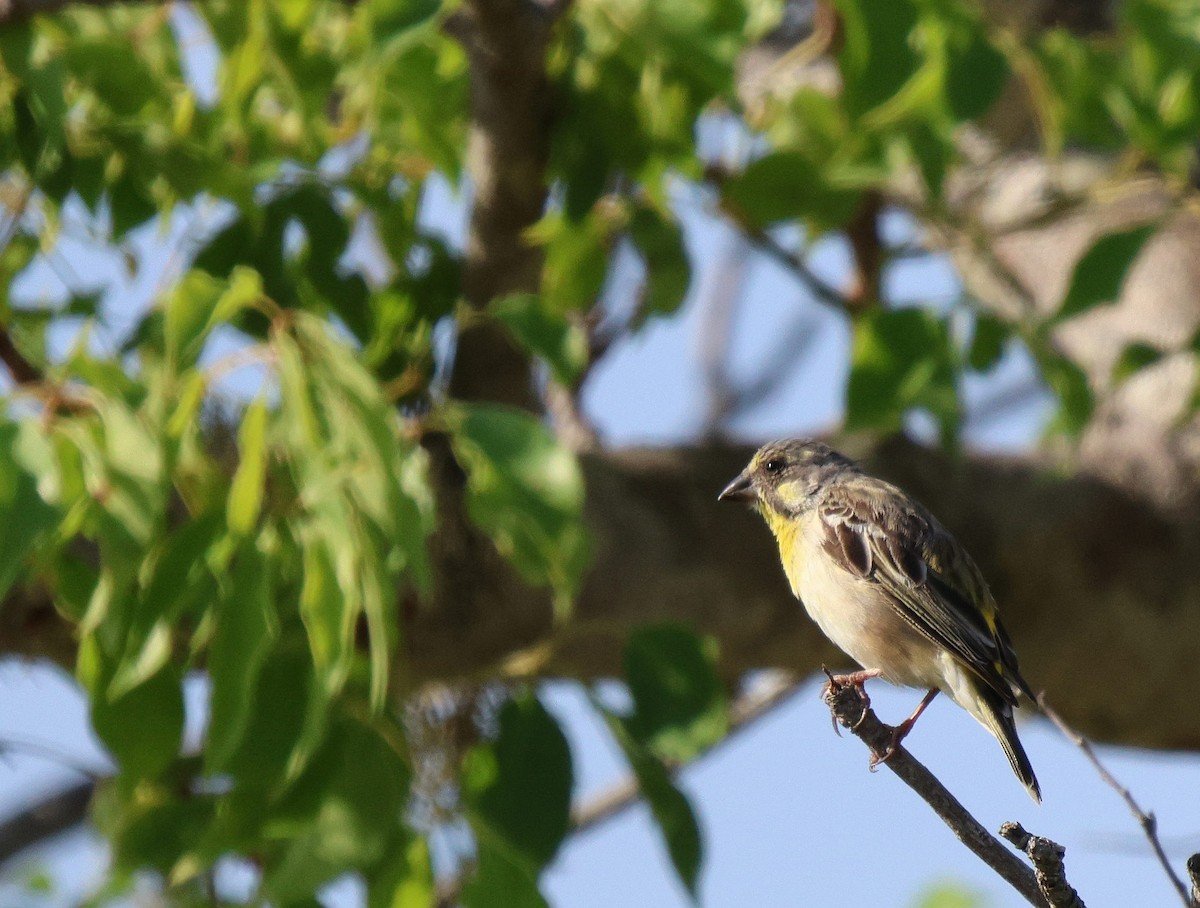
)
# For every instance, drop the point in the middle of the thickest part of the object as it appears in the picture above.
(889, 585)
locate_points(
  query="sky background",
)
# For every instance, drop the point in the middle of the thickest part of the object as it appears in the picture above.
(790, 814)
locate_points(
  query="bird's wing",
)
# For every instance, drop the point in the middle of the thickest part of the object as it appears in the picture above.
(874, 531)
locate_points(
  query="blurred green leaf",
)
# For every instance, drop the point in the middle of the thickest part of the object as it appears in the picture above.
(405, 877)
(1134, 358)
(20, 449)
(900, 359)
(246, 627)
(143, 727)
(670, 808)
(668, 275)
(786, 185)
(547, 333)
(876, 57)
(976, 73)
(1075, 400)
(949, 895)
(987, 342)
(519, 787)
(1100, 273)
(246, 490)
(501, 880)
(680, 707)
(357, 818)
(526, 491)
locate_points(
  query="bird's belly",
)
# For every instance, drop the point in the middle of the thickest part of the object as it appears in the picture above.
(858, 617)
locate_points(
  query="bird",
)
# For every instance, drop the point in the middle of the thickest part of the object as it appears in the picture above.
(889, 585)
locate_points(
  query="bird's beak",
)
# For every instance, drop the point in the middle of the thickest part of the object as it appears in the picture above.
(741, 489)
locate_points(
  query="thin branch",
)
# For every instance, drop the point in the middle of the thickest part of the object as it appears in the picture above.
(21, 369)
(851, 707)
(745, 710)
(1193, 869)
(1147, 820)
(821, 291)
(49, 817)
(1047, 858)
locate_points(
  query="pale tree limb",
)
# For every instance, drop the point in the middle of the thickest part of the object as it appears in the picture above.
(1146, 820)
(1047, 858)
(851, 707)
(776, 689)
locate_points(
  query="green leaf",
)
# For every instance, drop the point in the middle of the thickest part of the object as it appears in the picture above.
(546, 333)
(787, 185)
(668, 276)
(246, 628)
(405, 878)
(680, 707)
(246, 490)
(501, 880)
(519, 787)
(976, 73)
(1134, 358)
(21, 448)
(526, 491)
(357, 818)
(576, 260)
(669, 806)
(876, 57)
(950, 896)
(281, 701)
(900, 359)
(143, 727)
(1075, 400)
(1099, 275)
(987, 342)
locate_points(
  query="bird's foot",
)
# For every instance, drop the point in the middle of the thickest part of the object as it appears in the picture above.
(900, 732)
(857, 680)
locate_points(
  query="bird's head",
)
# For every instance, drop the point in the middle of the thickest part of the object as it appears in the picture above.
(785, 476)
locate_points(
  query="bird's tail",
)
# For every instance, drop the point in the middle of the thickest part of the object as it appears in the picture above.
(997, 717)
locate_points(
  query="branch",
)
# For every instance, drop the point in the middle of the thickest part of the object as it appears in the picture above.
(49, 817)
(23, 372)
(1047, 858)
(851, 708)
(1146, 820)
(1193, 869)
(506, 43)
(745, 711)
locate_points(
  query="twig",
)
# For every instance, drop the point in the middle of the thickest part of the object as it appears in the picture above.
(49, 817)
(1047, 858)
(1147, 820)
(821, 291)
(745, 710)
(851, 707)
(22, 370)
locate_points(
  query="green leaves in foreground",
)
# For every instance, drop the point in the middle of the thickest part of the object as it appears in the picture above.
(679, 710)
(901, 359)
(526, 491)
(1099, 275)
(518, 790)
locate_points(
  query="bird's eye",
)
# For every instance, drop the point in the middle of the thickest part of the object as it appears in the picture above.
(774, 465)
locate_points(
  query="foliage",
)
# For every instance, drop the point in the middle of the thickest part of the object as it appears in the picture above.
(277, 545)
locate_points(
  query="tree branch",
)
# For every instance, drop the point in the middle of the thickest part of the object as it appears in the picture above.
(1147, 821)
(509, 144)
(1193, 869)
(852, 709)
(47, 818)
(1047, 858)
(23, 372)
(748, 708)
